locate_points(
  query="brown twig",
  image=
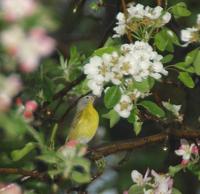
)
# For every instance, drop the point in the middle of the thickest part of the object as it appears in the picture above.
(125, 13)
(159, 2)
(33, 174)
(99, 152)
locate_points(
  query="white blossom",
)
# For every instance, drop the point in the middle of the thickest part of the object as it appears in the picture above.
(136, 13)
(162, 183)
(124, 107)
(138, 178)
(198, 19)
(187, 34)
(13, 10)
(120, 29)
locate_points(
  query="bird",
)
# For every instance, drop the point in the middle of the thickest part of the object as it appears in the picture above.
(85, 122)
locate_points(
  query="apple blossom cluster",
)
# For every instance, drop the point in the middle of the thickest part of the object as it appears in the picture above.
(190, 35)
(188, 152)
(27, 48)
(13, 10)
(27, 110)
(133, 62)
(139, 16)
(9, 87)
(154, 184)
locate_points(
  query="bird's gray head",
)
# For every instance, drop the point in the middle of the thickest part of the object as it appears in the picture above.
(84, 101)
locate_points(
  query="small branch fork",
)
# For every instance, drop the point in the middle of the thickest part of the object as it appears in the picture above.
(105, 150)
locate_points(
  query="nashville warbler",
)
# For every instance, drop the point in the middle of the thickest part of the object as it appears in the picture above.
(85, 122)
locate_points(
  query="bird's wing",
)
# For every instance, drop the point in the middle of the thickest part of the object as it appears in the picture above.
(75, 123)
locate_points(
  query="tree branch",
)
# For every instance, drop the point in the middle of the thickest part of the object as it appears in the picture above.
(99, 152)
(33, 174)
(125, 13)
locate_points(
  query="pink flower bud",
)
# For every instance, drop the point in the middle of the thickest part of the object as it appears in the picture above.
(72, 143)
(31, 105)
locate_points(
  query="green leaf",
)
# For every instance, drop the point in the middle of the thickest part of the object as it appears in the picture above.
(137, 126)
(49, 157)
(184, 67)
(161, 41)
(186, 79)
(190, 57)
(82, 176)
(175, 191)
(197, 63)
(172, 36)
(175, 169)
(135, 189)
(112, 96)
(180, 10)
(113, 116)
(144, 86)
(167, 58)
(101, 51)
(19, 154)
(152, 108)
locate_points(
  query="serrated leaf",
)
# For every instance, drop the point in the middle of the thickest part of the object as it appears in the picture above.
(197, 63)
(186, 79)
(20, 153)
(135, 189)
(152, 108)
(113, 116)
(112, 97)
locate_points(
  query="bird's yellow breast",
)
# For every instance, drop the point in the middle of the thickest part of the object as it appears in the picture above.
(85, 125)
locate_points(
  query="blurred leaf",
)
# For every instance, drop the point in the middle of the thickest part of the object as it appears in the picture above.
(20, 153)
(112, 96)
(175, 191)
(197, 63)
(113, 116)
(135, 189)
(180, 10)
(82, 174)
(186, 79)
(49, 157)
(152, 108)
(175, 169)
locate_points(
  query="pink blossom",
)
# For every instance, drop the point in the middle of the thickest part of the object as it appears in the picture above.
(14, 10)
(186, 151)
(138, 178)
(36, 46)
(31, 105)
(9, 87)
(162, 183)
(10, 189)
